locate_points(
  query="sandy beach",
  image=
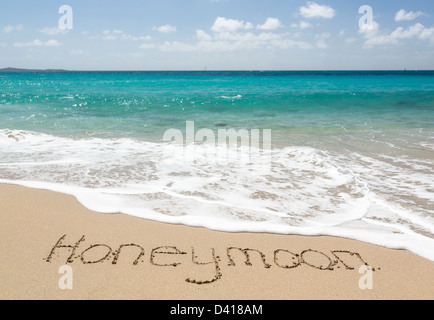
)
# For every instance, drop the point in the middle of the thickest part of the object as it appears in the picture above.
(122, 257)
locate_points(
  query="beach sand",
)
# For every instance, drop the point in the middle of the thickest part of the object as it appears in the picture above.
(168, 259)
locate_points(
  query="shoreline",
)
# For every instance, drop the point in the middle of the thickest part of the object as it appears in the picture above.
(115, 256)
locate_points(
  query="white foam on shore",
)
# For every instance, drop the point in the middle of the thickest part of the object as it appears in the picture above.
(305, 191)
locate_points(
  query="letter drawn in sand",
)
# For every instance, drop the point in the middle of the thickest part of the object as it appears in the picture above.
(294, 259)
(218, 273)
(59, 245)
(93, 247)
(118, 252)
(314, 260)
(340, 254)
(246, 253)
(167, 251)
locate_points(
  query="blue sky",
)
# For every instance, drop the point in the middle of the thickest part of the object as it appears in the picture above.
(217, 34)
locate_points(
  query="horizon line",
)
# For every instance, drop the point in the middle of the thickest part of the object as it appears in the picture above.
(206, 70)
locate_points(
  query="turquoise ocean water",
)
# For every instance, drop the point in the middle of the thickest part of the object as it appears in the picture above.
(352, 152)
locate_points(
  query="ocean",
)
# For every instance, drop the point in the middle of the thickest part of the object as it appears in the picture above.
(351, 152)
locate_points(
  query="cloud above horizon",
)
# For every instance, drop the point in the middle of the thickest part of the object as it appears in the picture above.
(167, 28)
(270, 24)
(112, 35)
(53, 31)
(10, 28)
(38, 43)
(376, 37)
(223, 24)
(232, 35)
(402, 15)
(314, 10)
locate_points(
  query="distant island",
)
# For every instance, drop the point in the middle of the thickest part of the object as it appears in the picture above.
(31, 70)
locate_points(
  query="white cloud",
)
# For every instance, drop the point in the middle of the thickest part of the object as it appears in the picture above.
(9, 28)
(230, 25)
(402, 15)
(369, 30)
(52, 43)
(203, 36)
(178, 46)
(233, 41)
(411, 32)
(38, 43)
(270, 24)
(53, 31)
(247, 37)
(373, 36)
(230, 35)
(226, 46)
(427, 34)
(302, 25)
(135, 38)
(165, 29)
(314, 10)
(111, 35)
(417, 31)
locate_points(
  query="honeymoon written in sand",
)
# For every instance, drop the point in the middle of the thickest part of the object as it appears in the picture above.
(67, 250)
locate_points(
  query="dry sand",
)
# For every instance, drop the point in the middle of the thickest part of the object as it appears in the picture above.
(33, 221)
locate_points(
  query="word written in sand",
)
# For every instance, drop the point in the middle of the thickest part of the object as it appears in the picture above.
(169, 256)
